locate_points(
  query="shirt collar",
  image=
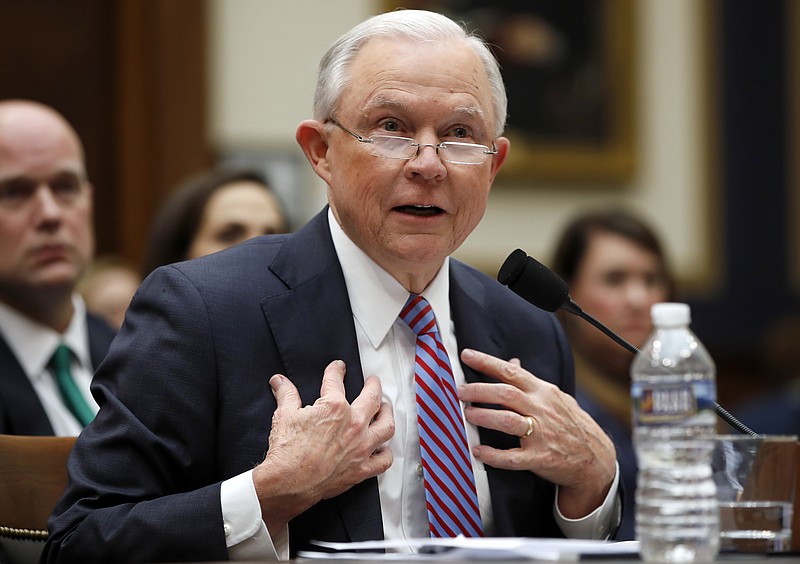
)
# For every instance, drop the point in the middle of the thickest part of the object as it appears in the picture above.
(376, 297)
(33, 343)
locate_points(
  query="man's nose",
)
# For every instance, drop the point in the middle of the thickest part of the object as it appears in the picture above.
(46, 202)
(427, 162)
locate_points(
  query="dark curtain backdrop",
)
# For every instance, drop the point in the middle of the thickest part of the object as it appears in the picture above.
(754, 106)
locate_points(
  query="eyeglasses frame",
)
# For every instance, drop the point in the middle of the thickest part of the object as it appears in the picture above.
(413, 143)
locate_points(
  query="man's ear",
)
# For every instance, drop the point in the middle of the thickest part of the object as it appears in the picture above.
(503, 145)
(313, 141)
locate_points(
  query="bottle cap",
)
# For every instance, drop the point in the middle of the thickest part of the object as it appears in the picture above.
(670, 314)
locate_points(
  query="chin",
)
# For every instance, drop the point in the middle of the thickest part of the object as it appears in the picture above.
(58, 278)
(422, 249)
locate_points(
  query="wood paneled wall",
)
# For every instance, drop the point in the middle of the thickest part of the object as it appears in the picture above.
(131, 77)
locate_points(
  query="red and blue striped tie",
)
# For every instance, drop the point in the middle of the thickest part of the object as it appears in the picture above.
(449, 482)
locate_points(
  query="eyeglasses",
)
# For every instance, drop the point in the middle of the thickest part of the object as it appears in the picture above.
(405, 148)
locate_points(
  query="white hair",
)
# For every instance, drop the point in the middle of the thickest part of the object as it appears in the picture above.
(418, 25)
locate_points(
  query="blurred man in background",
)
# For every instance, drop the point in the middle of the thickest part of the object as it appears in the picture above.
(49, 346)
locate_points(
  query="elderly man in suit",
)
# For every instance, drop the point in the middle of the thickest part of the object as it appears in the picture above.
(308, 386)
(46, 242)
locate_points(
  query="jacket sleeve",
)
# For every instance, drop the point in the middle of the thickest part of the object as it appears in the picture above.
(144, 484)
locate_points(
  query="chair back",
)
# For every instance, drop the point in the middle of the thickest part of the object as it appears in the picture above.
(33, 476)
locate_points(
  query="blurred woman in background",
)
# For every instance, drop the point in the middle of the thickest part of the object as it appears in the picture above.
(616, 270)
(210, 212)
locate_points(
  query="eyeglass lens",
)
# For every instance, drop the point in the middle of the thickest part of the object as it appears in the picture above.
(404, 148)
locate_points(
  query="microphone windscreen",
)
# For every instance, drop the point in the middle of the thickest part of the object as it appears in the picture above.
(533, 281)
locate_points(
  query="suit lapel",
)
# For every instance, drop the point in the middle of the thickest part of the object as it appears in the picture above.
(21, 412)
(520, 500)
(311, 320)
(313, 324)
(475, 326)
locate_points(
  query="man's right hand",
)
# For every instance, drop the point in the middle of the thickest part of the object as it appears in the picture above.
(321, 450)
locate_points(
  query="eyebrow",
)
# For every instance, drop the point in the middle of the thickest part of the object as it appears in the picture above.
(381, 102)
(471, 111)
(66, 172)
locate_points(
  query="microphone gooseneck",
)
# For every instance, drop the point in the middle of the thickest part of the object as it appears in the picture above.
(540, 286)
(545, 289)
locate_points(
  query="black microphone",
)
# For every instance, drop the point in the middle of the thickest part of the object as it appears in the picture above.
(545, 289)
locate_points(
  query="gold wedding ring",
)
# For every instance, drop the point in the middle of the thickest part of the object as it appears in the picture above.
(529, 432)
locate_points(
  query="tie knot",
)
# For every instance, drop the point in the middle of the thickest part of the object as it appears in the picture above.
(62, 357)
(418, 315)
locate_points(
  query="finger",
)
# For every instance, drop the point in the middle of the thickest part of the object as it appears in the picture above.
(285, 392)
(333, 379)
(530, 426)
(382, 427)
(496, 393)
(380, 461)
(502, 420)
(505, 371)
(515, 361)
(369, 398)
(380, 421)
(507, 459)
(375, 464)
(384, 413)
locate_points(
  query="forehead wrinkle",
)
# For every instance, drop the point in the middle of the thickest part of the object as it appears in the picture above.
(381, 102)
(384, 102)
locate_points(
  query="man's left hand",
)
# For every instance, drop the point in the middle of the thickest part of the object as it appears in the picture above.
(559, 441)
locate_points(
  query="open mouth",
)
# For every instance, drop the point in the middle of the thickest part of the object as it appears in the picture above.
(421, 211)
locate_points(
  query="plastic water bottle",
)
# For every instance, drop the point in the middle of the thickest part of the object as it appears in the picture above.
(674, 393)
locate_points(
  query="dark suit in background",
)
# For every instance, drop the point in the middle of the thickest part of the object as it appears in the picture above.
(21, 412)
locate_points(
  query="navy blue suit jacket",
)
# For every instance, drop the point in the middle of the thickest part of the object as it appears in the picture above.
(21, 412)
(185, 400)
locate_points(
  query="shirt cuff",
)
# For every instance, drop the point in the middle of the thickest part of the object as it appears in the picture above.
(600, 523)
(246, 535)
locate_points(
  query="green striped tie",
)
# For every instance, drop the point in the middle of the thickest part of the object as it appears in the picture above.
(73, 399)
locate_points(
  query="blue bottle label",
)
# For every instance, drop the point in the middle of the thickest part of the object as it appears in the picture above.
(668, 403)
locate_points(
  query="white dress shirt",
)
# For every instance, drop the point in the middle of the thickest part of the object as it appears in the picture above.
(34, 344)
(387, 348)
